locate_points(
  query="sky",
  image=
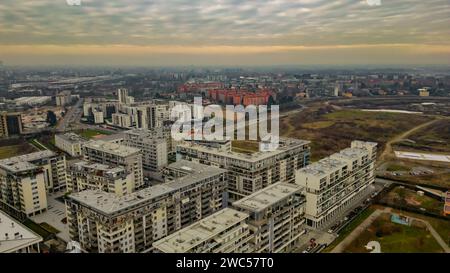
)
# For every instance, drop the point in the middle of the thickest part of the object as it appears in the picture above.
(224, 32)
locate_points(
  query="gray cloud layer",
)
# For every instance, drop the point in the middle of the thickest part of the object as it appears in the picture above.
(224, 22)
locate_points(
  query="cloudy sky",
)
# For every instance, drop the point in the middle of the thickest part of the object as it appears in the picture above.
(225, 32)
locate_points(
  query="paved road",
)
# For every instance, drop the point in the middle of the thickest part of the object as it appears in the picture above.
(70, 117)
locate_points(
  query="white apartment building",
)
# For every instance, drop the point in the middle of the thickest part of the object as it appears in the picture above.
(22, 187)
(248, 173)
(63, 98)
(153, 149)
(70, 143)
(277, 217)
(337, 182)
(114, 154)
(98, 116)
(121, 120)
(16, 238)
(85, 175)
(54, 166)
(225, 231)
(104, 222)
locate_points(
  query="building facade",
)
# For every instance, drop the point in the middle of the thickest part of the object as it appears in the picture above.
(337, 182)
(277, 217)
(248, 173)
(153, 149)
(104, 222)
(225, 231)
(85, 175)
(70, 143)
(114, 154)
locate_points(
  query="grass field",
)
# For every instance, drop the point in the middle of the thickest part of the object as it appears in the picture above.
(14, 150)
(331, 129)
(37, 228)
(396, 238)
(410, 198)
(434, 139)
(91, 133)
(243, 146)
(349, 228)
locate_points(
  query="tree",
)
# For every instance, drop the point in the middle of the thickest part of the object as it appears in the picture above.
(51, 118)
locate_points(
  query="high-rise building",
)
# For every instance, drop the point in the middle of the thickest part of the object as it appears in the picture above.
(225, 231)
(23, 186)
(10, 124)
(248, 173)
(153, 149)
(337, 182)
(277, 217)
(122, 94)
(105, 222)
(63, 98)
(83, 175)
(113, 154)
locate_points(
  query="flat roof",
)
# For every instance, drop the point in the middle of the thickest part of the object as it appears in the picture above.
(201, 231)
(98, 166)
(108, 203)
(72, 137)
(285, 145)
(24, 162)
(267, 197)
(111, 148)
(19, 236)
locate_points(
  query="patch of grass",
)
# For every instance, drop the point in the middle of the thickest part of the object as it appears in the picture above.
(244, 146)
(15, 150)
(350, 227)
(91, 133)
(37, 228)
(397, 168)
(395, 238)
(318, 124)
(49, 228)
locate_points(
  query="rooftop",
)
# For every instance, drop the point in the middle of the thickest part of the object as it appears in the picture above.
(109, 203)
(18, 236)
(285, 145)
(267, 197)
(111, 148)
(97, 167)
(72, 137)
(201, 231)
(24, 162)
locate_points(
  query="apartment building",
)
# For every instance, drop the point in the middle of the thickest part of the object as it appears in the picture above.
(84, 175)
(277, 217)
(70, 143)
(16, 238)
(22, 187)
(153, 149)
(10, 124)
(98, 116)
(225, 231)
(114, 154)
(105, 222)
(122, 120)
(248, 173)
(337, 182)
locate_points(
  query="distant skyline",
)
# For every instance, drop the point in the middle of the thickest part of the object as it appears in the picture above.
(225, 32)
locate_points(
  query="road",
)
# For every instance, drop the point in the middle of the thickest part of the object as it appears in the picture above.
(71, 117)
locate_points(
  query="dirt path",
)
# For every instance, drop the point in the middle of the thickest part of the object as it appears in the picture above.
(388, 148)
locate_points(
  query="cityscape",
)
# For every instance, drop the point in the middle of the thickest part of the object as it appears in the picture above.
(224, 127)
